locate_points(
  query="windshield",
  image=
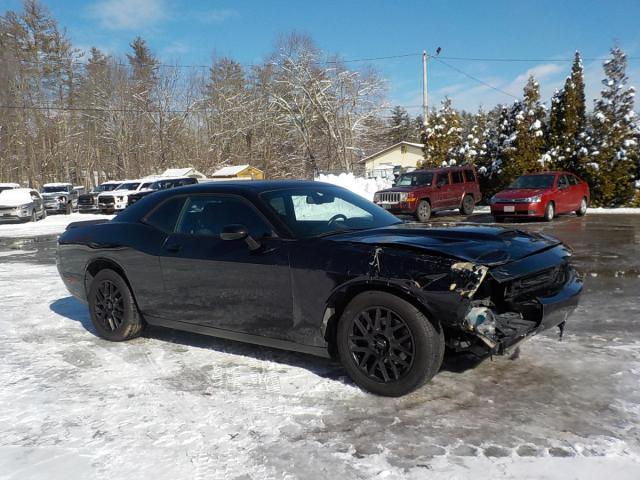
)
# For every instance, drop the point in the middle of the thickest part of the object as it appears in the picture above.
(107, 187)
(414, 179)
(146, 185)
(533, 181)
(6, 188)
(322, 210)
(56, 189)
(128, 186)
(14, 197)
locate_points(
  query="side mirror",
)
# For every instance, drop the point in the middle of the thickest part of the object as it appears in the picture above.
(234, 232)
(237, 231)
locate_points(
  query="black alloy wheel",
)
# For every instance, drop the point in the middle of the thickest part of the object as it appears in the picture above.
(381, 344)
(387, 345)
(109, 306)
(113, 310)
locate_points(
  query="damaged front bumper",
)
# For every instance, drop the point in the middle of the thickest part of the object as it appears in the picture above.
(502, 324)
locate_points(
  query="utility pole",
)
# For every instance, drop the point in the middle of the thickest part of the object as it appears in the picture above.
(425, 89)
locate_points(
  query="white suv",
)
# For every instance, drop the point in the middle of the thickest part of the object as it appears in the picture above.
(116, 200)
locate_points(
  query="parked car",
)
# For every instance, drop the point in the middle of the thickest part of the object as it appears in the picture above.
(117, 199)
(8, 186)
(88, 202)
(60, 197)
(422, 192)
(315, 268)
(542, 195)
(21, 204)
(161, 184)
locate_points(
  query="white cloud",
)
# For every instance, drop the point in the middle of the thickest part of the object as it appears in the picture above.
(128, 14)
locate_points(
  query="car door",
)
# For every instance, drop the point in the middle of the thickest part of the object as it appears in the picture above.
(563, 196)
(225, 284)
(441, 192)
(575, 192)
(456, 189)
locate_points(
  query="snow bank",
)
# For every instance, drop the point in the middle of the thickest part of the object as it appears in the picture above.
(52, 225)
(365, 187)
(613, 210)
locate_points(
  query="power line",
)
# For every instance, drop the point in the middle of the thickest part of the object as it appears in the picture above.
(476, 79)
(530, 60)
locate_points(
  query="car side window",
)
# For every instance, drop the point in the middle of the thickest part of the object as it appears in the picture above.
(562, 182)
(208, 214)
(166, 215)
(443, 179)
(470, 176)
(572, 180)
(456, 177)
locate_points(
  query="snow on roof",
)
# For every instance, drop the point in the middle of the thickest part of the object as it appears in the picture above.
(58, 184)
(10, 185)
(230, 171)
(384, 150)
(182, 172)
(15, 197)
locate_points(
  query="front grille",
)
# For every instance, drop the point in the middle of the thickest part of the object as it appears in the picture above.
(389, 197)
(86, 200)
(106, 200)
(542, 283)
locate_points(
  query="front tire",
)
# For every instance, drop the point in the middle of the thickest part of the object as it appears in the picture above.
(423, 212)
(468, 204)
(34, 216)
(68, 209)
(113, 310)
(549, 212)
(387, 346)
(582, 210)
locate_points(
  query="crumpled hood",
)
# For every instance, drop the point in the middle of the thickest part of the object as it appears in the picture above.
(485, 245)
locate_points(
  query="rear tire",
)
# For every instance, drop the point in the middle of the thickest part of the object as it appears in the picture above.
(387, 346)
(468, 204)
(549, 212)
(113, 310)
(582, 210)
(423, 212)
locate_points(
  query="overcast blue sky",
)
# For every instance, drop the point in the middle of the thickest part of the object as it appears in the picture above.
(542, 30)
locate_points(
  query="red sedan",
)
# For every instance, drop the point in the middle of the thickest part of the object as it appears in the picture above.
(544, 195)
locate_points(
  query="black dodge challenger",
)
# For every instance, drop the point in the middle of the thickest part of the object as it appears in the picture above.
(314, 268)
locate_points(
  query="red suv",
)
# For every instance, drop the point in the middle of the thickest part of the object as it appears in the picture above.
(544, 194)
(424, 191)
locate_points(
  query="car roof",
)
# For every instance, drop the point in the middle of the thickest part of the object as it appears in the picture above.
(253, 186)
(440, 169)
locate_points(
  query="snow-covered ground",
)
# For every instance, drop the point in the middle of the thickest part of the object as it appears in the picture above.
(176, 405)
(51, 225)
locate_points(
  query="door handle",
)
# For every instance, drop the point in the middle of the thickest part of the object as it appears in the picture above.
(173, 248)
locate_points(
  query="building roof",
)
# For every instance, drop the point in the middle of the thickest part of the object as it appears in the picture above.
(230, 171)
(385, 150)
(182, 172)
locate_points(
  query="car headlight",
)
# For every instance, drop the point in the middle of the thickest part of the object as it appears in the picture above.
(403, 196)
(376, 197)
(534, 199)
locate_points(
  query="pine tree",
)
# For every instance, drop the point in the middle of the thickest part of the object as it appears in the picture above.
(442, 137)
(567, 122)
(614, 152)
(474, 148)
(527, 144)
(400, 127)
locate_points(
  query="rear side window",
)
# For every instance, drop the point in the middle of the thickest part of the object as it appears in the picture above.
(562, 181)
(468, 174)
(166, 215)
(456, 177)
(572, 180)
(443, 178)
(208, 214)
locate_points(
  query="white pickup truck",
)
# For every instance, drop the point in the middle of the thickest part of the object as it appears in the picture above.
(116, 200)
